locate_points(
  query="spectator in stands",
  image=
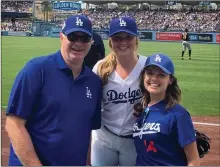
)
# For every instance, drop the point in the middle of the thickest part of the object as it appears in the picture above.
(113, 144)
(55, 102)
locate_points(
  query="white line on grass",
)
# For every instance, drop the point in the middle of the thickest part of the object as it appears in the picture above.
(196, 123)
(4, 107)
(209, 124)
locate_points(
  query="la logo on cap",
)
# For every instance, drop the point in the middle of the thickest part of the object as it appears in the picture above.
(157, 58)
(79, 22)
(122, 22)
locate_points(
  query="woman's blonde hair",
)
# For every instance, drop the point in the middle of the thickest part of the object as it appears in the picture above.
(107, 66)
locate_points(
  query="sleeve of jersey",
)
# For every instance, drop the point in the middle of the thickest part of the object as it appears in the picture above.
(96, 120)
(25, 90)
(95, 68)
(185, 129)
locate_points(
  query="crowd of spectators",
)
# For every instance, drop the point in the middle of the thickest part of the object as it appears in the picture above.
(18, 25)
(17, 6)
(157, 20)
(14, 24)
(169, 20)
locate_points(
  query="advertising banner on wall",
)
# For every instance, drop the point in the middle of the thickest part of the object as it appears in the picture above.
(62, 5)
(193, 37)
(217, 38)
(17, 33)
(205, 37)
(168, 36)
(145, 35)
(201, 37)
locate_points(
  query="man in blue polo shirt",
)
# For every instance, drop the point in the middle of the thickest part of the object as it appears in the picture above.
(55, 102)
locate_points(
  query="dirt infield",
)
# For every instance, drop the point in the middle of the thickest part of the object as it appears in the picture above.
(212, 159)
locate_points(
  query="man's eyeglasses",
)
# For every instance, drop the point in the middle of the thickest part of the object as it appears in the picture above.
(121, 38)
(74, 38)
(143, 118)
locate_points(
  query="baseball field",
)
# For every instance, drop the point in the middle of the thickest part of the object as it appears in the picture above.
(198, 79)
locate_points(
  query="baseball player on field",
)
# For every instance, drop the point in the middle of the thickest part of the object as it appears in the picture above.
(113, 144)
(186, 44)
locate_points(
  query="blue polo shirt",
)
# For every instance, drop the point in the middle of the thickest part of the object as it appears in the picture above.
(60, 111)
(161, 140)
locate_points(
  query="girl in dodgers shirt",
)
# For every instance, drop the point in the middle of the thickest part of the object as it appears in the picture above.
(163, 134)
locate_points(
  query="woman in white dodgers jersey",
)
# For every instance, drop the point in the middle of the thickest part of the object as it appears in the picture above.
(113, 144)
(163, 134)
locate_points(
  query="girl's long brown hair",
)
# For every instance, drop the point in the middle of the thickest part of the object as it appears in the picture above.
(173, 94)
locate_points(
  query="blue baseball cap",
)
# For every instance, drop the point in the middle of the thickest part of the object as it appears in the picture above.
(123, 24)
(76, 23)
(162, 61)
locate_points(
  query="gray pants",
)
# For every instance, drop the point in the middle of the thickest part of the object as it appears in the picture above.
(186, 44)
(108, 149)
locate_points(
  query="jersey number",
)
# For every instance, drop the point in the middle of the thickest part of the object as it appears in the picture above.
(150, 146)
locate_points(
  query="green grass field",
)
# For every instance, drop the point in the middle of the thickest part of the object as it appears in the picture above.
(198, 78)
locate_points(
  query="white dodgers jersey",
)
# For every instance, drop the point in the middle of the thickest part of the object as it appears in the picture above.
(119, 97)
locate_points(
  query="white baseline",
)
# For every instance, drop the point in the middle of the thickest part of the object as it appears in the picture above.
(208, 124)
(196, 123)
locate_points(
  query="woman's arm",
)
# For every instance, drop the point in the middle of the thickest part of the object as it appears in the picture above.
(192, 154)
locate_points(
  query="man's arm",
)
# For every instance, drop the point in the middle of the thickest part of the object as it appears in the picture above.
(21, 141)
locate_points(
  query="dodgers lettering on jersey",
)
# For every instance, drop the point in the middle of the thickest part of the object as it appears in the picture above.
(124, 97)
(148, 128)
(119, 96)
